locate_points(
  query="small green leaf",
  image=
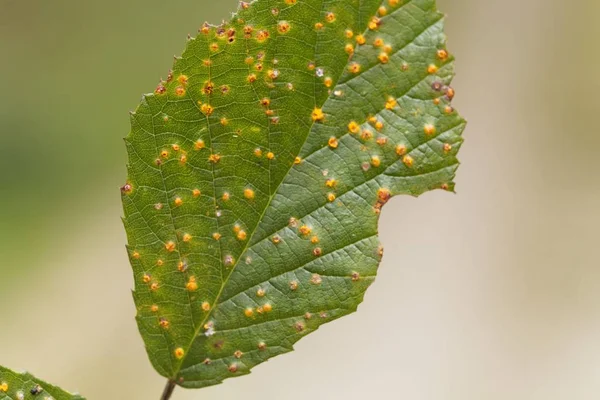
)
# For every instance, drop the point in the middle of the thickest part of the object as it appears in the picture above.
(258, 169)
(25, 386)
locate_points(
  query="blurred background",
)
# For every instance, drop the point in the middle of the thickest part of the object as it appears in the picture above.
(492, 293)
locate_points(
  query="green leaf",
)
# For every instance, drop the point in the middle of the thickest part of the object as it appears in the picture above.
(25, 386)
(258, 169)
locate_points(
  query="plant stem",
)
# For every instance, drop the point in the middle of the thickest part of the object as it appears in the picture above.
(169, 388)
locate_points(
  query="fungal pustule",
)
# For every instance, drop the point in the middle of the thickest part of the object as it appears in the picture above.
(317, 115)
(179, 353)
(249, 193)
(191, 285)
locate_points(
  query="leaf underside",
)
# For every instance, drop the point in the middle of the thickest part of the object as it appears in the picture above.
(258, 169)
(24, 386)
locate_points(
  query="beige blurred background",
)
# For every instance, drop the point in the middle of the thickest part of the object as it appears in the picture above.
(493, 293)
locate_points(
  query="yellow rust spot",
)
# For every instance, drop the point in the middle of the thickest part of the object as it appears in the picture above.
(331, 182)
(154, 286)
(135, 255)
(258, 152)
(354, 68)
(349, 49)
(360, 39)
(196, 192)
(226, 196)
(273, 73)
(224, 121)
(4, 387)
(242, 235)
(394, 3)
(448, 110)
(199, 145)
(384, 58)
(401, 149)
(387, 48)
(270, 155)
(205, 306)
(187, 237)
(330, 17)
(391, 103)
(330, 197)
(366, 135)
(181, 266)
(170, 246)
(349, 34)
(160, 262)
(375, 161)
(297, 160)
(183, 159)
(276, 239)
(442, 54)
(164, 323)
(317, 115)
(283, 27)
(238, 354)
(183, 79)
(379, 125)
(192, 285)
(353, 127)
(251, 78)
(214, 158)
(319, 26)
(176, 147)
(267, 307)
(328, 82)
(378, 42)
(432, 69)
(164, 154)
(248, 312)
(154, 308)
(408, 161)
(207, 109)
(260, 292)
(216, 236)
(429, 129)
(382, 11)
(180, 91)
(314, 239)
(447, 147)
(179, 353)
(305, 230)
(332, 142)
(146, 278)
(249, 193)
(374, 23)
(178, 201)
